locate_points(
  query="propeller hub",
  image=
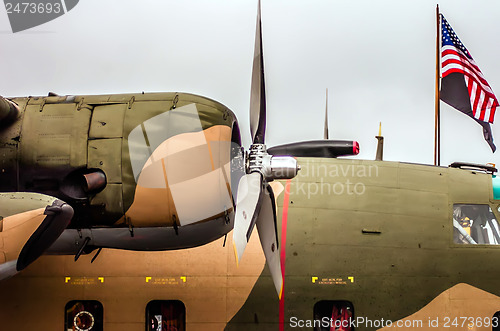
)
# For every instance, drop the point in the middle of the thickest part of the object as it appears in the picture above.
(271, 167)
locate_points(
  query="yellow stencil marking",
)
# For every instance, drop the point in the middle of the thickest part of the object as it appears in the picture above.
(67, 279)
(101, 279)
(148, 279)
(314, 279)
(351, 279)
(183, 279)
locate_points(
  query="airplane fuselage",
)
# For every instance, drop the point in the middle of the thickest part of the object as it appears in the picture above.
(375, 237)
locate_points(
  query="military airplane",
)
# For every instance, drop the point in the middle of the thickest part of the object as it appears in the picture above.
(136, 211)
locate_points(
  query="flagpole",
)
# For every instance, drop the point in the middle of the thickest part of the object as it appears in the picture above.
(437, 122)
(325, 130)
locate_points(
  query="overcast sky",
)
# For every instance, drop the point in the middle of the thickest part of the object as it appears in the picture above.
(377, 58)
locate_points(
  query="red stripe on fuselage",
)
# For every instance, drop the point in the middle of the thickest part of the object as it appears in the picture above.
(284, 219)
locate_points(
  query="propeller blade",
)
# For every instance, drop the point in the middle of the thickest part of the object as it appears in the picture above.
(258, 94)
(248, 203)
(59, 215)
(317, 148)
(267, 228)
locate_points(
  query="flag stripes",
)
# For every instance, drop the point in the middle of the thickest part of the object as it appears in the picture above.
(456, 58)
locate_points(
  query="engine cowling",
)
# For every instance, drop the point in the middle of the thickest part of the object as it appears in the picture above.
(142, 171)
(181, 168)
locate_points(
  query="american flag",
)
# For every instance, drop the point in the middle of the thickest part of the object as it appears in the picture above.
(456, 58)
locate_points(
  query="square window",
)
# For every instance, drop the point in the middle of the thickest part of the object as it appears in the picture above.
(333, 315)
(165, 315)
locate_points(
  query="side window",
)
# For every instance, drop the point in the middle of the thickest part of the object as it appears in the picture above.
(165, 315)
(475, 224)
(84, 315)
(337, 314)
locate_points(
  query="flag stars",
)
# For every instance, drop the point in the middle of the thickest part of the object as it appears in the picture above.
(450, 37)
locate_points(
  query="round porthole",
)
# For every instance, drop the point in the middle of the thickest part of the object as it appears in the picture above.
(83, 321)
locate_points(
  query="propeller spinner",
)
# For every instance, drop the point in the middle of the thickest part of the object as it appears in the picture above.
(255, 203)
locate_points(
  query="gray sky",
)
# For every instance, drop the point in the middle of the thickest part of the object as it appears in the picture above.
(377, 58)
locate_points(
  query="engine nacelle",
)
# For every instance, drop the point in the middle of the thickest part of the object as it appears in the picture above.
(29, 224)
(132, 166)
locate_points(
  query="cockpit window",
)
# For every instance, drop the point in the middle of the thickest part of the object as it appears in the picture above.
(475, 224)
